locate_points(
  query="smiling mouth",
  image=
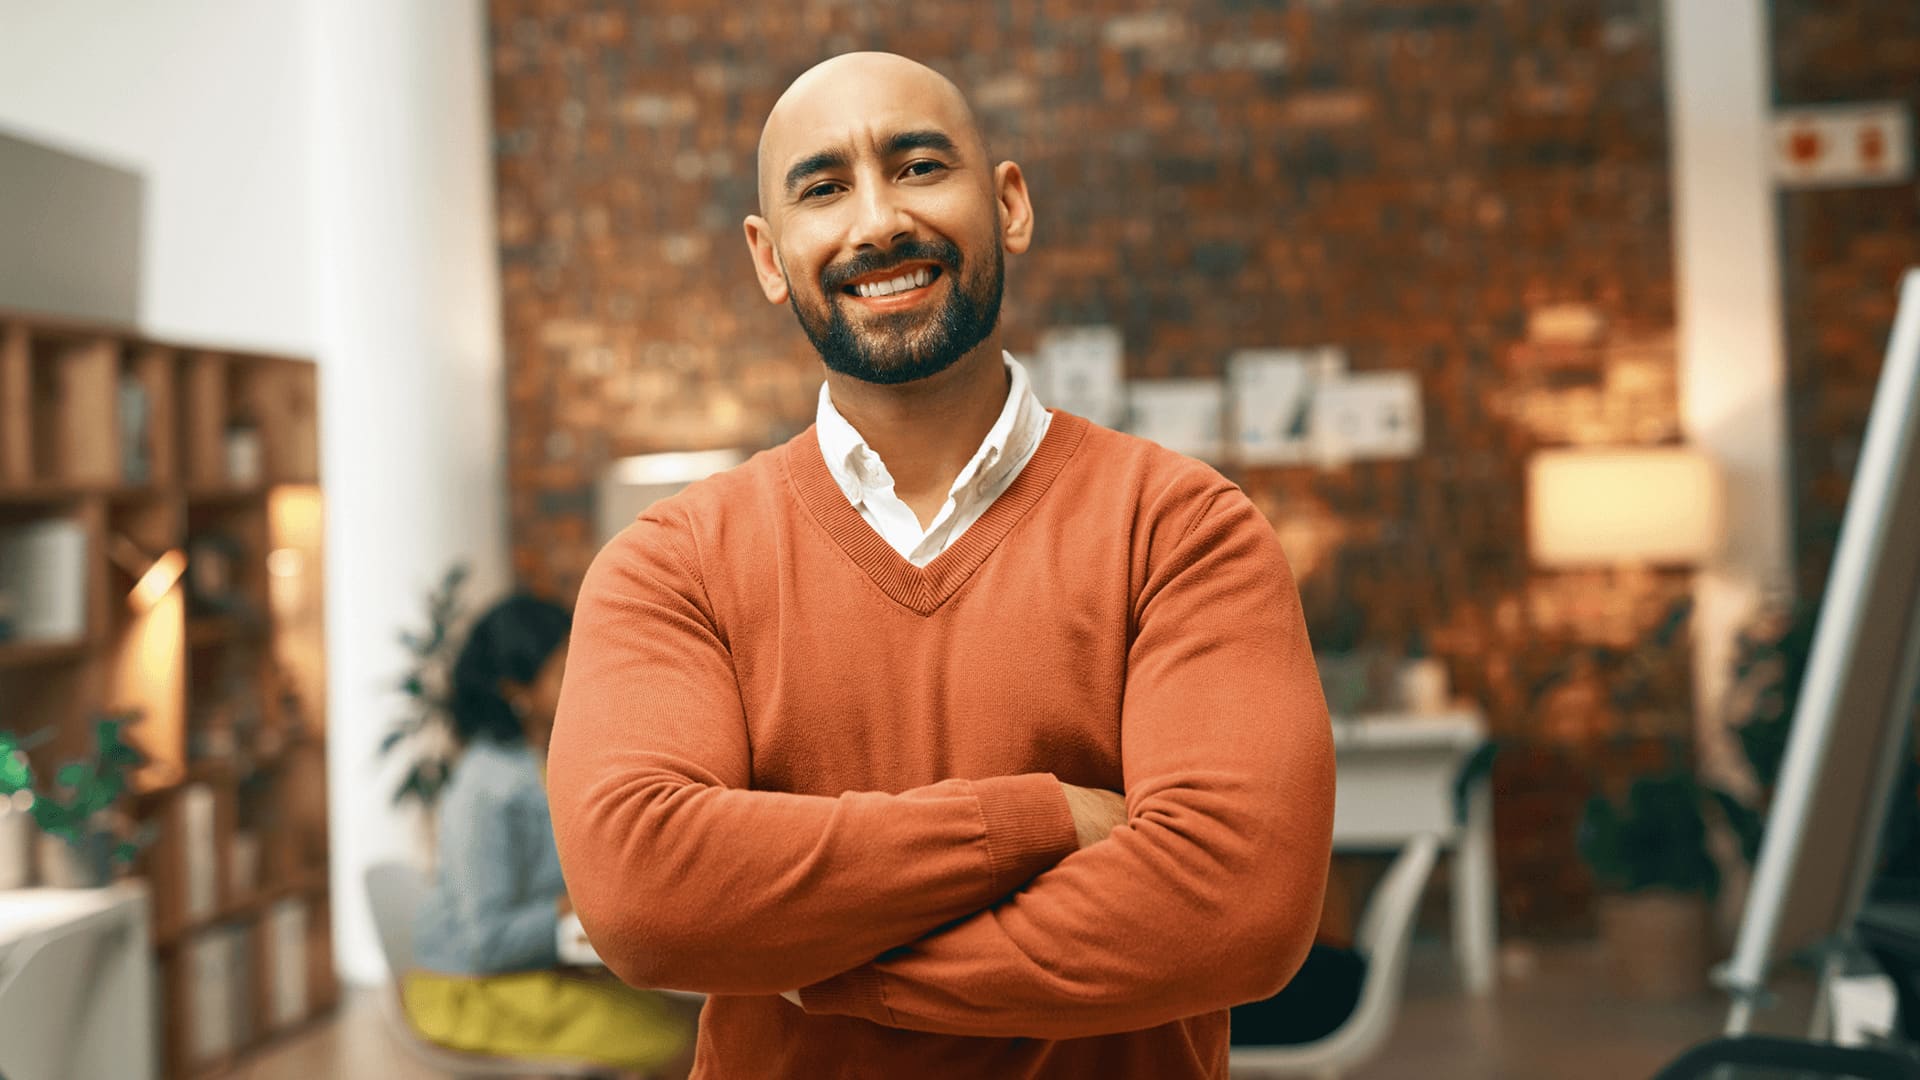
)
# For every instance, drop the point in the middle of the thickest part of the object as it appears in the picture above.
(905, 282)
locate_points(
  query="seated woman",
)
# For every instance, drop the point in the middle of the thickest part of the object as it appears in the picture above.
(487, 938)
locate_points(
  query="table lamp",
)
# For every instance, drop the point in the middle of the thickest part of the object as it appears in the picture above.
(1628, 509)
(1615, 506)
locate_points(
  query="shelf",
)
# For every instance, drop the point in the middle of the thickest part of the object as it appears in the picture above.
(221, 494)
(311, 883)
(58, 494)
(205, 630)
(25, 654)
(126, 436)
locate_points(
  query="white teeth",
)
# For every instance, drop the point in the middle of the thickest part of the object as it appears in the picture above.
(914, 280)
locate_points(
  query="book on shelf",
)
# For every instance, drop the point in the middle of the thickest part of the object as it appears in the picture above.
(135, 409)
(287, 937)
(197, 848)
(43, 581)
(211, 992)
(243, 863)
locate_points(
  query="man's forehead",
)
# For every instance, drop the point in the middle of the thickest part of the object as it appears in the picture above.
(856, 102)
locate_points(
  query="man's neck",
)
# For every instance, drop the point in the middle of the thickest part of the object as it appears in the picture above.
(927, 430)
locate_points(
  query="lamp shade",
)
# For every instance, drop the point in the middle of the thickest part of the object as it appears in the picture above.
(1603, 506)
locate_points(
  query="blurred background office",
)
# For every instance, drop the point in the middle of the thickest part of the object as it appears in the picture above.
(1545, 335)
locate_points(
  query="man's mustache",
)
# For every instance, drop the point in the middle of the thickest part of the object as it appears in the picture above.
(943, 252)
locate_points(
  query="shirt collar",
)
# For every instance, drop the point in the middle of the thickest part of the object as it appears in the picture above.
(858, 470)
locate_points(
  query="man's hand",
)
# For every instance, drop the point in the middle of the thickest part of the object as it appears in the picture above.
(1095, 812)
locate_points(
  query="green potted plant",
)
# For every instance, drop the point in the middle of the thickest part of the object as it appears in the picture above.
(1643, 834)
(422, 735)
(83, 833)
(1647, 850)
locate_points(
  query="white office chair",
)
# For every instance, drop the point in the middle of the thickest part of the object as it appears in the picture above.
(395, 891)
(1382, 938)
(41, 1005)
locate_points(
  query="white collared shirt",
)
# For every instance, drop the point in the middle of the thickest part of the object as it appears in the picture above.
(864, 478)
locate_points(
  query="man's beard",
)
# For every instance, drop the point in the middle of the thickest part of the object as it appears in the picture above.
(904, 346)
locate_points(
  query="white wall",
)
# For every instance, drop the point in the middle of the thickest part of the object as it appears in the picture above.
(319, 182)
(208, 99)
(412, 396)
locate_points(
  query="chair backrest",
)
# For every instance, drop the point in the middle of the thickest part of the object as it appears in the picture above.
(395, 891)
(1385, 931)
(1387, 922)
(42, 1004)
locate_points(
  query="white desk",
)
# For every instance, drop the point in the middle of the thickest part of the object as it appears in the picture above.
(1395, 780)
(108, 1029)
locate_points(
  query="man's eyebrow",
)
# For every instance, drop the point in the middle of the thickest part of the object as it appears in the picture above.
(928, 139)
(813, 163)
(898, 143)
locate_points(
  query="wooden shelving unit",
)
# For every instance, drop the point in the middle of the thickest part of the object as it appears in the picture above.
(156, 456)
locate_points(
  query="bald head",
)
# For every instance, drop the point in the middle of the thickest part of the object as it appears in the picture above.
(855, 95)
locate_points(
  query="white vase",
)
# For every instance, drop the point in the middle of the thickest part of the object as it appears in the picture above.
(63, 867)
(16, 846)
(1423, 686)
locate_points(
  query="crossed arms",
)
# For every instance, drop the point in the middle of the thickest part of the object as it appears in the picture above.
(966, 906)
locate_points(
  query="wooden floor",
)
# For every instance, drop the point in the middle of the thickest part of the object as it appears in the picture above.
(1553, 1016)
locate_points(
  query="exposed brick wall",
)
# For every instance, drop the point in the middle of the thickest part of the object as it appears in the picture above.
(1475, 192)
(1842, 253)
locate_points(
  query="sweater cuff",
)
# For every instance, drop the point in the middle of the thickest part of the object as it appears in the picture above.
(851, 993)
(1029, 826)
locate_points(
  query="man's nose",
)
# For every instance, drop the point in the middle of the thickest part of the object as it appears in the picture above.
(880, 220)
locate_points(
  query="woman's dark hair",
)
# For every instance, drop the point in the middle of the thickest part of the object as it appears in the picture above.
(511, 642)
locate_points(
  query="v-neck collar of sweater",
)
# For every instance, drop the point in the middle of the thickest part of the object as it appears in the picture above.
(923, 589)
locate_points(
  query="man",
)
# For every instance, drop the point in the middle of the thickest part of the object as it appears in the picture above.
(842, 729)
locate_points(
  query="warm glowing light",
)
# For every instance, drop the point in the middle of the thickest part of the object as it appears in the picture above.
(677, 467)
(159, 578)
(152, 577)
(284, 562)
(1614, 505)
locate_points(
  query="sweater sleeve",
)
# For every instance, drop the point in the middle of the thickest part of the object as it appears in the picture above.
(685, 878)
(1210, 894)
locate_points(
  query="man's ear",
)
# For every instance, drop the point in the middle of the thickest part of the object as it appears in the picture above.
(1016, 210)
(766, 261)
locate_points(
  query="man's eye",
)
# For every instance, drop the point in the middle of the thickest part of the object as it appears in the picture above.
(923, 168)
(820, 190)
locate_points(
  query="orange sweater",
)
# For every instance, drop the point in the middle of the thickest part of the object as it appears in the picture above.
(788, 759)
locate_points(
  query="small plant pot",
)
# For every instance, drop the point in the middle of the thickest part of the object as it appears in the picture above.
(1657, 944)
(63, 866)
(16, 846)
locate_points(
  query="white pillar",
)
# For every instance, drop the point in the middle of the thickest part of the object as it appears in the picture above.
(412, 399)
(1732, 356)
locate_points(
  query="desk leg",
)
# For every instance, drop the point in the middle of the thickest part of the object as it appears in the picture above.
(1474, 895)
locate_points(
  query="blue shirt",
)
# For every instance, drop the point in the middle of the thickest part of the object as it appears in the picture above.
(491, 909)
